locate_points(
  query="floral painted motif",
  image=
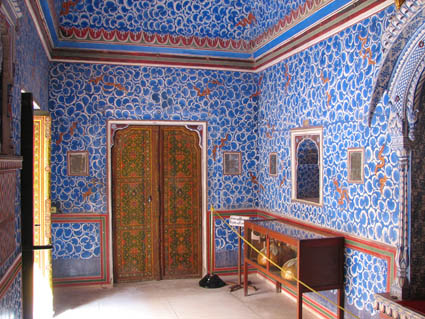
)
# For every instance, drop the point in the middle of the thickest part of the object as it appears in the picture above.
(214, 19)
(365, 212)
(76, 240)
(330, 84)
(153, 94)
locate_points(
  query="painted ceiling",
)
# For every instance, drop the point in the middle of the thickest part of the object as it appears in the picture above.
(229, 34)
(235, 19)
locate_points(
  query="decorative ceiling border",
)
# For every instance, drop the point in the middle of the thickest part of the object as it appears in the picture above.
(41, 26)
(153, 59)
(304, 11)
(348, 16)
(313, 22)
(146, 39)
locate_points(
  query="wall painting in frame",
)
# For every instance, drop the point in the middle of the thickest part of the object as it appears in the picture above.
(273, 164)
(355, 165)
(78, 163)
(232, 163)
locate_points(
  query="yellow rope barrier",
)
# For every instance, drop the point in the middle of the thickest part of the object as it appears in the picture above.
(279, 267)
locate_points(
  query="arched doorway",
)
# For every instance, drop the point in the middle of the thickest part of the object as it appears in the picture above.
(401, 81)
(196, 133)
(417, 215)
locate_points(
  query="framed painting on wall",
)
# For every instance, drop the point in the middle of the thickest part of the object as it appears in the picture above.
(232, 163)
(273, 164)
(355, 165)
(78, 163)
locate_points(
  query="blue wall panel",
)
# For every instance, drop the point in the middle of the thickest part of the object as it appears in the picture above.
(30, 74)
(80, 108)
(76, 250)
(335, 67)
(330, 84)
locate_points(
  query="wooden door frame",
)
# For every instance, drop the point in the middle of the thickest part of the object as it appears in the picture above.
(110, 124)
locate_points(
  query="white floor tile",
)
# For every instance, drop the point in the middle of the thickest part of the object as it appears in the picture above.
(173, 299)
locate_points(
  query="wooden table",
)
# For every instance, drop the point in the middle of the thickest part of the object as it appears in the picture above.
(320, 257)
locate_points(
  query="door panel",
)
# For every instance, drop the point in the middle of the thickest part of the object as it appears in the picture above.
(43, 294)
(181, 199)
(156, 183)
(135, 204)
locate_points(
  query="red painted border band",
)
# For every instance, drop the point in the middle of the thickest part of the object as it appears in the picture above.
(10, 276)
(103, 221)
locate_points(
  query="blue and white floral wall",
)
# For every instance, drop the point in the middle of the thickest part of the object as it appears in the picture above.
(77, 249)
(31, 74)
(83, 97)
(330, 85)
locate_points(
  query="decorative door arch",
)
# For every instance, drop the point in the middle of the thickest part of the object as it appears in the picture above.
(401, 78)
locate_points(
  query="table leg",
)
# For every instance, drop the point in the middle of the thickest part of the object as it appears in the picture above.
(340, 303)
(278, 286)
(239, 256)
(245, 278)
(299, 304)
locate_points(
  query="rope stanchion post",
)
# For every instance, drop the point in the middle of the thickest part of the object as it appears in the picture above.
(211, 280)
(238, 221)
(238, 285)
(340, 309)
(239, 256)
(211, 239)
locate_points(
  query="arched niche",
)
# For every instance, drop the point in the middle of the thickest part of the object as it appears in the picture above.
(401, 78)
(308, 171)
(307, 165)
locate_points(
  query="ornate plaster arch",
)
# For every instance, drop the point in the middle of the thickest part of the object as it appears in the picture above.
(399, 77)
(403, 63)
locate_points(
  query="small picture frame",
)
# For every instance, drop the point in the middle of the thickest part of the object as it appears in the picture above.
(355, 165)
(232, 163)
(273, 164)
(78, 163)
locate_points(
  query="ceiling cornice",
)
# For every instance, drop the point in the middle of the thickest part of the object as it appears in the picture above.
(350, 15)
(324, 19)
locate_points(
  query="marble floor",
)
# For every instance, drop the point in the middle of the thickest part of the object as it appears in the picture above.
(173, 299)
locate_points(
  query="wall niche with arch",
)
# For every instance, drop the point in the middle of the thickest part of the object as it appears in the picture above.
(307, 165)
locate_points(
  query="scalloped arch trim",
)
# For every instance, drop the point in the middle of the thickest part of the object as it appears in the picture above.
(398, 44)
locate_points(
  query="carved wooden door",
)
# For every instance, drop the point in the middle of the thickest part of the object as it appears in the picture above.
(156, 203)
(135, 204)
(181, 199)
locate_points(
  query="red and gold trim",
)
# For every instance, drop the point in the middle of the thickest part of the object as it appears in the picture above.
(102, 220)
(10, 276)
(113, 47)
